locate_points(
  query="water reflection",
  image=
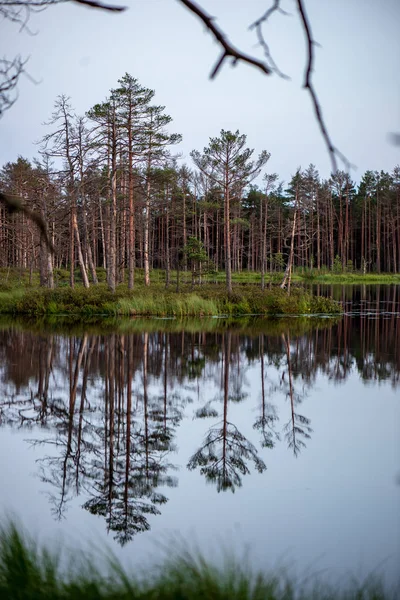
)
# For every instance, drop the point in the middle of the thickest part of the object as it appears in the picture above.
(225, 452)
(106, 409)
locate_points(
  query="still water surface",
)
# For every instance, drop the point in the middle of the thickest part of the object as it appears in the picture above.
(278, 439)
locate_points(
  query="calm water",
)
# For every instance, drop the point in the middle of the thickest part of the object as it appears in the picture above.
(278, 439)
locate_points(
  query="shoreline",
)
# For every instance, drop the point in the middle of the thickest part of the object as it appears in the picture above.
(157, 301)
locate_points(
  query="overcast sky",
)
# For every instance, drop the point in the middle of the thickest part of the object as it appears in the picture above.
(82, 53)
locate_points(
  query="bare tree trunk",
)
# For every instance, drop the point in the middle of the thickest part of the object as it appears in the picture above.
(167, 250)
(103, 237)
(86, 237)
(288, 272)
(184, 229)
(82, 267)
(147, 233)
(227, 229)
(112, 254)
(50, 273)
(72, 248)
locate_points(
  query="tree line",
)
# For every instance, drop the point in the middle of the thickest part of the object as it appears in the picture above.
(114, 195)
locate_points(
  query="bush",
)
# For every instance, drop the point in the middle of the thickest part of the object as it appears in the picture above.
(337, 265)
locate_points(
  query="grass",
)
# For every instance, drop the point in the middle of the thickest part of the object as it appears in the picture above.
(306, 275)
(11, 278)
(20, 294)
(31, 572)
(207, 300)
(351, 278)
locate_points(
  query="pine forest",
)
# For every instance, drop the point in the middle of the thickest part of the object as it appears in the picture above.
(114, 194)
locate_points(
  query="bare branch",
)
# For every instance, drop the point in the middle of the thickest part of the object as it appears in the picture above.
(308, 85)
(19, 11)
(10, 71)
(94, 4)
(13, 204)
(228, 49)
(12, 7)
(257, 25)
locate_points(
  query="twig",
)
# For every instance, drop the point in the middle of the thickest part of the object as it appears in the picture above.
(228, 49)
(237, 55)
(257, 25)
(9, 5)
(10, 71)
(100, 5)
(308, 85)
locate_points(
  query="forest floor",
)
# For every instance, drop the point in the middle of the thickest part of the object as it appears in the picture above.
(36, 573)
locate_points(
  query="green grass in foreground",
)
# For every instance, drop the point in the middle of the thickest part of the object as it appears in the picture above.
(29, 572)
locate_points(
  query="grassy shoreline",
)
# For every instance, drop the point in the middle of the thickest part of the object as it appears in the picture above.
(351, 278)
(20, 294)
(314, 277)
(29, 571)
(206, 300)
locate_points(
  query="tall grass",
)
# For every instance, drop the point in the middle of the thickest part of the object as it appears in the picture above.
(164, 305)
(207, 300)
(31, 572)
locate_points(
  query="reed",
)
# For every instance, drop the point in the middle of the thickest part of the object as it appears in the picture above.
(31, 572)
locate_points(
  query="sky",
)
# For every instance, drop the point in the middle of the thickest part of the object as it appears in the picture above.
(83, 52)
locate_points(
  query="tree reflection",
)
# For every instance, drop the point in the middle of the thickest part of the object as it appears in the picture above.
(268, 418)
(136, 443)
(297, 429)
(114, 449)
(70, 434)
(104, 410)
(225, 452)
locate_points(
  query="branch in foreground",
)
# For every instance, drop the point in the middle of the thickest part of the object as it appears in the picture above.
(10, 70)
(19, 11)
(228, 49)
(308, 85)
(11, 8)
(231, 51)
(13, 204)
(100, 5)
(257, 25)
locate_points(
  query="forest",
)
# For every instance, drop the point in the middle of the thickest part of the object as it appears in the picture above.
(115, 195)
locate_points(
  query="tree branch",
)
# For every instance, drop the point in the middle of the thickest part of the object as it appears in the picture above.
(13, 204)
(19, 11)
(308, 85)
(100, 5)
(10, 70)
(257, 25)
(228, 49)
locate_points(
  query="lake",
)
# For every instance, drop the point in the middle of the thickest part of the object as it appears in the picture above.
(278, 439)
